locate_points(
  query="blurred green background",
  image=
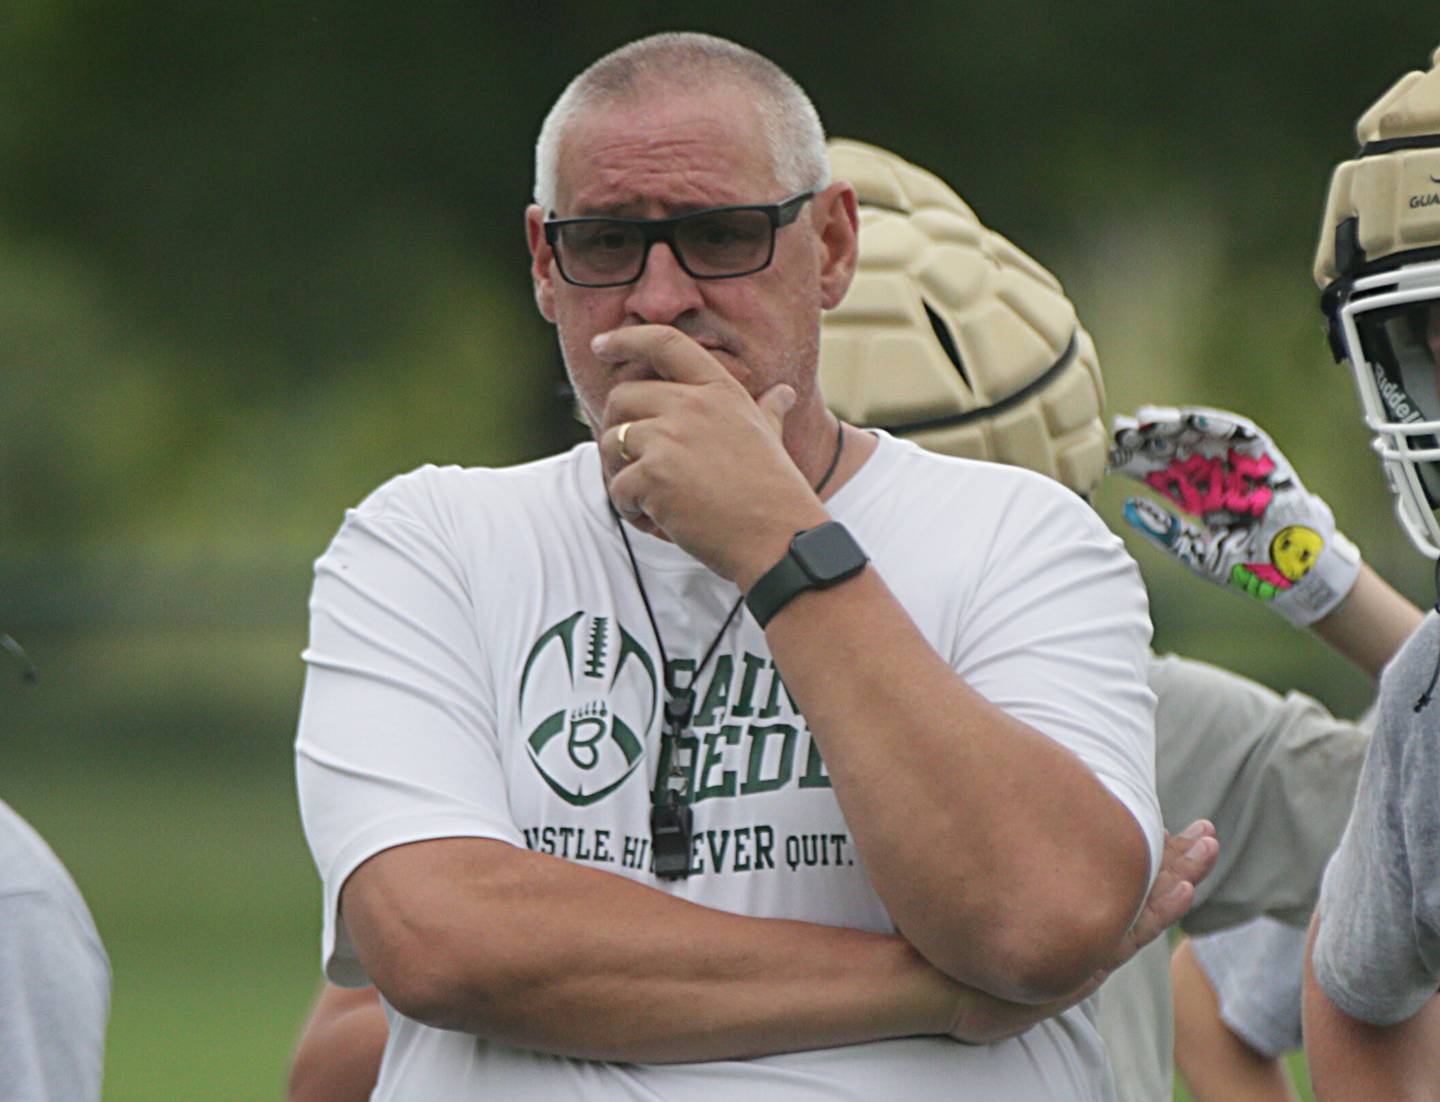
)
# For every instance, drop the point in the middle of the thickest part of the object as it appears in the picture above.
(255, 258)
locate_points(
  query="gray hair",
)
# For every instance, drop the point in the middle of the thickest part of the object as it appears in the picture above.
(688, 61)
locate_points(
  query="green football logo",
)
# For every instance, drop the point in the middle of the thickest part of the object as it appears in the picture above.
(586, 685)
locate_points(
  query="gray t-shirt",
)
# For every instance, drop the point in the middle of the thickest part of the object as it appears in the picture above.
(1377, 955)
(54, 975)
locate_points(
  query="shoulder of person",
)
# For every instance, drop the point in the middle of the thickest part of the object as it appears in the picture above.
(995, 521)
(29, 867)
(430, 493)
(983, 479)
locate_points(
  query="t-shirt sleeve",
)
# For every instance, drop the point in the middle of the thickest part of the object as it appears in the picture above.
(54, 998)
(1058, 636)
(1255, 971)
(1275, 774)
(397, 739)
(1377, 952)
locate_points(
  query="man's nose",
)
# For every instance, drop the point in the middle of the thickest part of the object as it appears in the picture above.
(664, 290)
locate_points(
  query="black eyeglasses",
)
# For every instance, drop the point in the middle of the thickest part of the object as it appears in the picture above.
(718, 243)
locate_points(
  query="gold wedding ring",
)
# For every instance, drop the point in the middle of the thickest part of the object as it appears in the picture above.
(620, 439)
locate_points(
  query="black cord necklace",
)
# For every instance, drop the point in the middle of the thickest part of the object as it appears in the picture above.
(671, 820)
(1429, 692)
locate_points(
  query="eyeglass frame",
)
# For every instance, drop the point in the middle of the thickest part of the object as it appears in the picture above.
(780, 214)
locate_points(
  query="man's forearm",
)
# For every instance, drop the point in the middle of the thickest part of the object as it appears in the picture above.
(536, 951)
(995, 849)
(524, 948)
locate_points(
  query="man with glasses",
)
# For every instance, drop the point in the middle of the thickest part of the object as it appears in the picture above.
(596, 830)
(1372, 1018)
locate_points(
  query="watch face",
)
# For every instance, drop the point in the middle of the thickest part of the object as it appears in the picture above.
(828, 553)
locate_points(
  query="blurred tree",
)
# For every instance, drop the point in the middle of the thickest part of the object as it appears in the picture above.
(255, 258)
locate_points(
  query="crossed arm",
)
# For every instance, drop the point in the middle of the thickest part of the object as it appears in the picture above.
(481, 936)
(520, 947)
(997, 851)
(339, 1053)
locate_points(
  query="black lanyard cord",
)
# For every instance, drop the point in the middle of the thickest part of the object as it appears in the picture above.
(670, 814)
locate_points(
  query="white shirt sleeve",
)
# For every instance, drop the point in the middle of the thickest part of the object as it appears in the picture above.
(1058, 636)
(54, 975)
(397, 739)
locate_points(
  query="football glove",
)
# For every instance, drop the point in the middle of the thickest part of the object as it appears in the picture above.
(1259, 530)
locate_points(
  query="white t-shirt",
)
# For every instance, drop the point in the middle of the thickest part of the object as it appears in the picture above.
(481, 665)
(54, 975)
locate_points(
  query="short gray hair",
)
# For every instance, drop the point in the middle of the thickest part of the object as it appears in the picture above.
(688, 61)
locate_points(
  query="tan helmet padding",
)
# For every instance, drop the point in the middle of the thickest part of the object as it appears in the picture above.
(1395, 197)
(882, 364)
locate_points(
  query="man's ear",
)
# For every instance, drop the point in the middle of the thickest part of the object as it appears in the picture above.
(541, 262)
(837, 220)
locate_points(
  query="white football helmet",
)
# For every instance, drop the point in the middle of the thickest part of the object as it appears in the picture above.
(954, 338)
(1378, 264)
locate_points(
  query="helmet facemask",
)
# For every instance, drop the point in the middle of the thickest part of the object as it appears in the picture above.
(1389, 326)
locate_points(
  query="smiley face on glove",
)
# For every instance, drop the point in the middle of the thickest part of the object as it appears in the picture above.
(1294, 551)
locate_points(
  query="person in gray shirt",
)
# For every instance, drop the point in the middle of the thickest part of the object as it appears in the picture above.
(1372, 1021)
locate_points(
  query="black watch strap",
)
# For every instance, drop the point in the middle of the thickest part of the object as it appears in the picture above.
(776, 588)
(817, 558)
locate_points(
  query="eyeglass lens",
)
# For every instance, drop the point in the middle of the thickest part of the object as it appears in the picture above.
(722, 243)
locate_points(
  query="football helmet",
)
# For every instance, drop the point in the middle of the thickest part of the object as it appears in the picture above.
(954, 338)
(1378, 265)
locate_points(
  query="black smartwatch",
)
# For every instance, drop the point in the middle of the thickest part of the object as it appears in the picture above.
(818, 558)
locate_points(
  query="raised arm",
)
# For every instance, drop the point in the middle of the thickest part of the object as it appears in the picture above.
(1256, 529)
(997, 851)
(1368, 626)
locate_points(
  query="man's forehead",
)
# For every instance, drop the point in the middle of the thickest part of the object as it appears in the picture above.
(677, 153)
